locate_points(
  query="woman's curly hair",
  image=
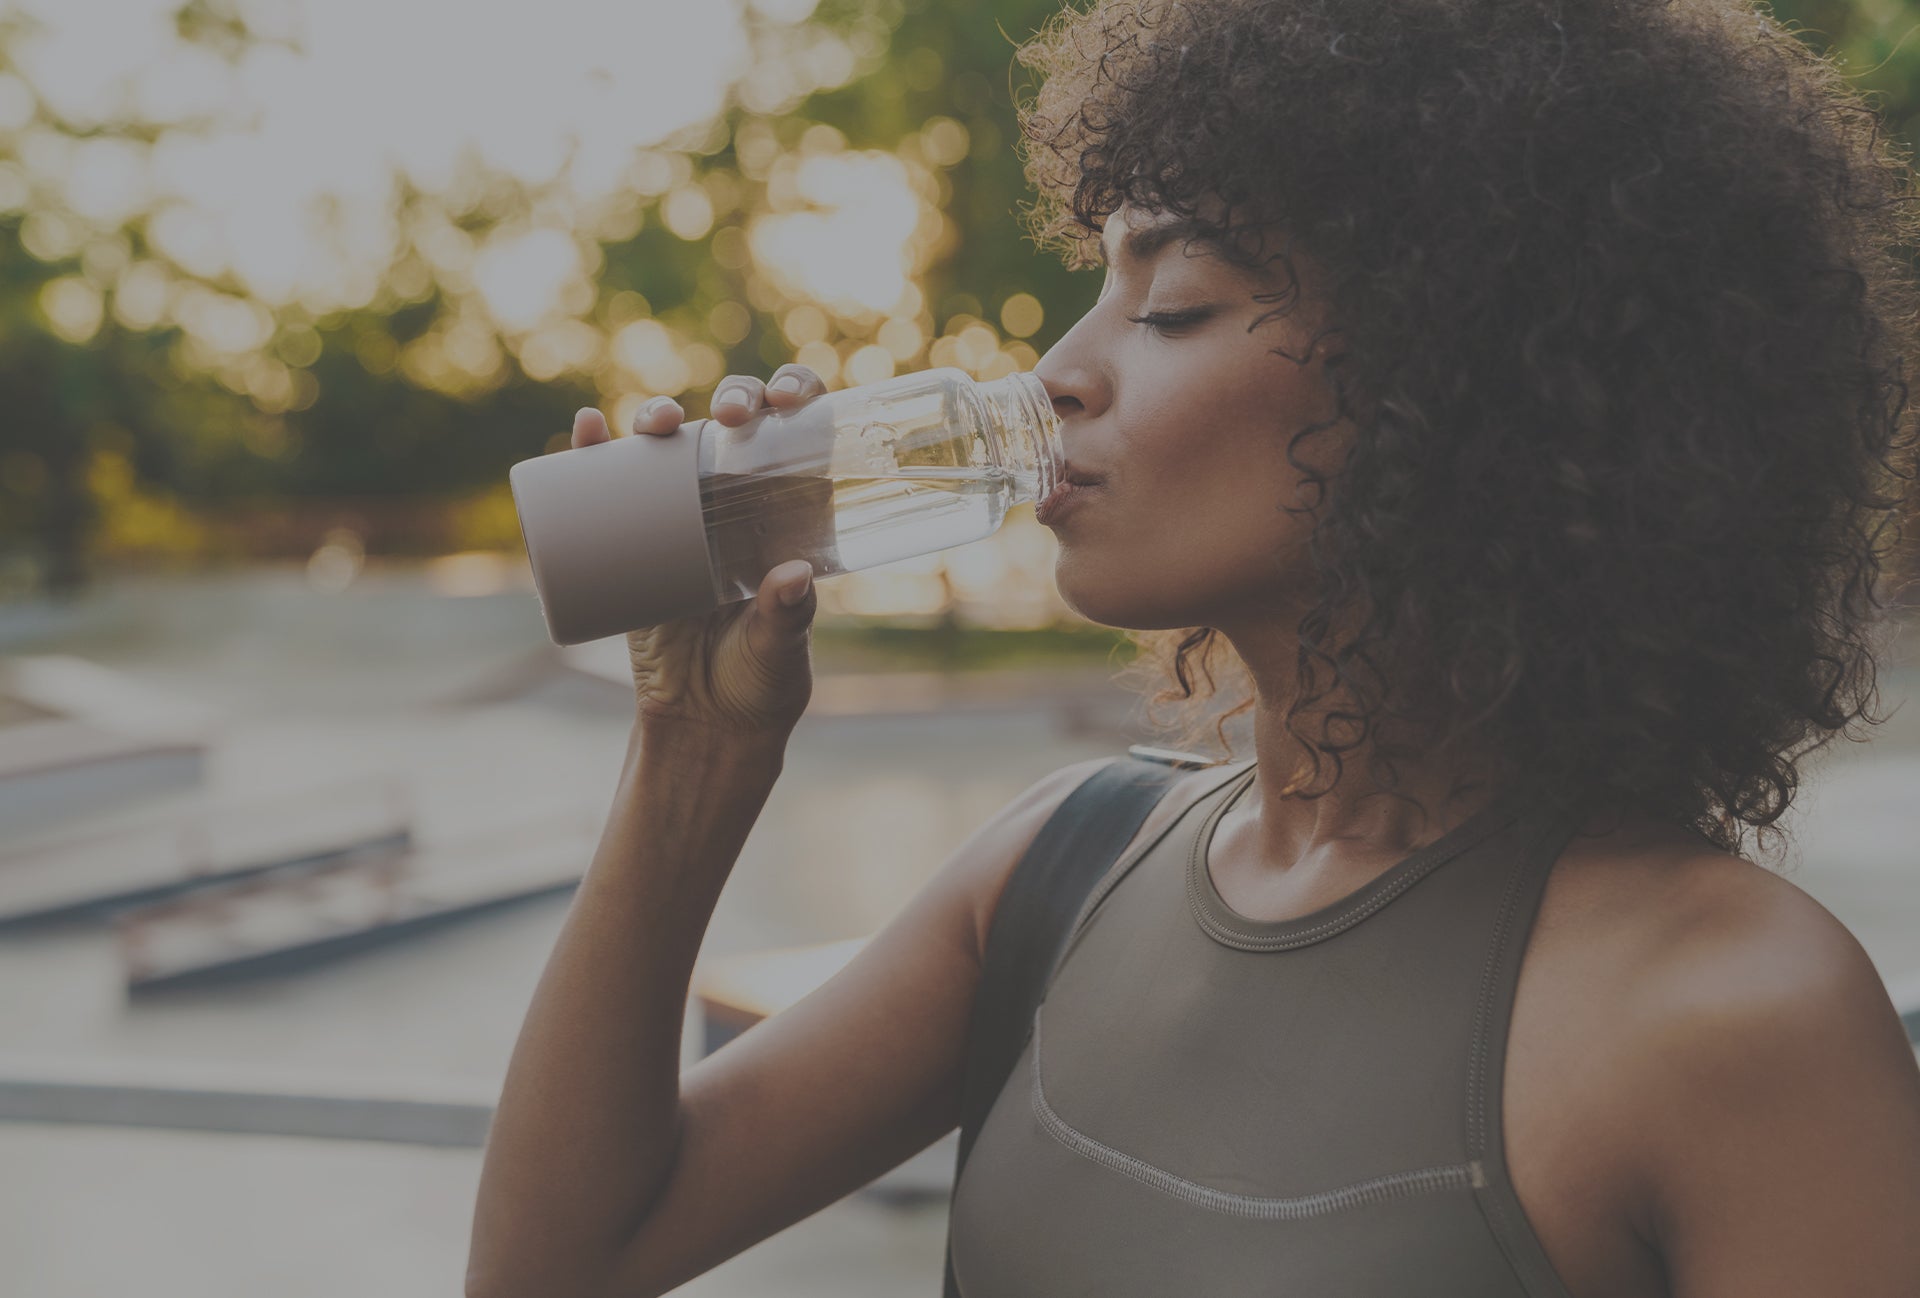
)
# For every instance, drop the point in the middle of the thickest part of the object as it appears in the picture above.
(1626, 302)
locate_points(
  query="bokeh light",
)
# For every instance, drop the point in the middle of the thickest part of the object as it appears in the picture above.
(467, 226)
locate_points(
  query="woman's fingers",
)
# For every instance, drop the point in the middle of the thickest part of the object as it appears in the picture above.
(736, 399)
(590, 426)
(739, 397)
(791, 385)
(660, 415)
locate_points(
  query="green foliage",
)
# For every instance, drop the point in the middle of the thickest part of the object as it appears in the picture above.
(1875, 42)
(205, 441)
(957, 61)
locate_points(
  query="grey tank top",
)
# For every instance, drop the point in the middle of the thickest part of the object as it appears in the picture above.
(1302, 1108)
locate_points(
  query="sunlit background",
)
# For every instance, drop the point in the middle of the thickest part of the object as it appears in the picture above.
(369, 271)
(286, 286)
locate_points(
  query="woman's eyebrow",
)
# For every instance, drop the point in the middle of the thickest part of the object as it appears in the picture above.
(1142, 241)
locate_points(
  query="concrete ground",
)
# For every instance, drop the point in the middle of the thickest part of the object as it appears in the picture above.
(313, 685)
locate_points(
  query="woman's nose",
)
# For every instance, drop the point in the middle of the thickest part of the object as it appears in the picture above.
(1073, 388)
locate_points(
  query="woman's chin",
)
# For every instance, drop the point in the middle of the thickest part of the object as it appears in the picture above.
(1115, 600)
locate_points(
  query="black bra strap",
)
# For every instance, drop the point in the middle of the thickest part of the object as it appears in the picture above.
(1031, 923)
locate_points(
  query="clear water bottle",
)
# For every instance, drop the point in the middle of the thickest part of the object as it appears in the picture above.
(646, 528)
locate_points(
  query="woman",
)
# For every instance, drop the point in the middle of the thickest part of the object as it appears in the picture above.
(1510, 393)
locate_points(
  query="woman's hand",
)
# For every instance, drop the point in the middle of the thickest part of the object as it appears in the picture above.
(745, 668)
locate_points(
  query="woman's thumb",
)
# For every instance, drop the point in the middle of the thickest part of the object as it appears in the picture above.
(793, 583)
(776, 627)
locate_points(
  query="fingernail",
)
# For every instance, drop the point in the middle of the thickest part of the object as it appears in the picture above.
(793, 594)
(732, 395)
(785, 383)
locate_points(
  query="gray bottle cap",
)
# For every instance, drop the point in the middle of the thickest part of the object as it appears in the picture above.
(614, 533)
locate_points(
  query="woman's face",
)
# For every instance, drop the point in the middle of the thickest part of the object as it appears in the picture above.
(1187, 423)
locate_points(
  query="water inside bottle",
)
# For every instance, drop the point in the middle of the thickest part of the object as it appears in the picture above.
(756, 522)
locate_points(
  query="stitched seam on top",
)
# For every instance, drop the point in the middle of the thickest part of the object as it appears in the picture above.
(1396, 1185)
(1196, 867)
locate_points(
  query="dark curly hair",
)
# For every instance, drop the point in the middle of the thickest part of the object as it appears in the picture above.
(1626, 299)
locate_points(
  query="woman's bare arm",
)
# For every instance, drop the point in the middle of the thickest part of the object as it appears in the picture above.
(584, 1136)
(1781, 1109)
(607, 1172)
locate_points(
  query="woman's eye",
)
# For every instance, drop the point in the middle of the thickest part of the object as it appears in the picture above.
(1162, 321)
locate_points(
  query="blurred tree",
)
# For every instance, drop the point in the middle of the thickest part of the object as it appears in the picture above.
(83, 390)
(1873, 42)
(948, 60)
(856, 205)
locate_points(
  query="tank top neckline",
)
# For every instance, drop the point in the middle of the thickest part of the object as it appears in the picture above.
(1229, 927)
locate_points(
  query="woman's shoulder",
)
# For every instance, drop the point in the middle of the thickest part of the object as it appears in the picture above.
(1688, 925)
(1725, 1009)
(1736, 943)
(1680, 909)
(1775, 1091)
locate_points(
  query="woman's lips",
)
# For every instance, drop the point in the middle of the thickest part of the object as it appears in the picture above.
(1060, 500)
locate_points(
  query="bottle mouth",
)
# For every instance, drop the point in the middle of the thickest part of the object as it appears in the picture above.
(1030, 396)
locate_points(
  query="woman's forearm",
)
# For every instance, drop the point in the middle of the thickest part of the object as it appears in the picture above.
(584, 1136)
